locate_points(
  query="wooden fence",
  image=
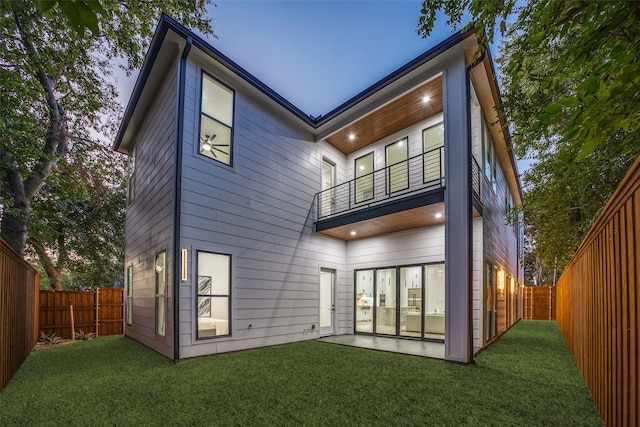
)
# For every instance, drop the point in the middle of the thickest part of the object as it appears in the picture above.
(599, 302)
(19, 284)
(539, 302)
(101, 309)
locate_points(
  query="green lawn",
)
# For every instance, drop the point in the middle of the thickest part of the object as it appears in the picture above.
(527, 378)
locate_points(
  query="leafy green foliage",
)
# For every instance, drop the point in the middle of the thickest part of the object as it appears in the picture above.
(59, 186)
(570, 74)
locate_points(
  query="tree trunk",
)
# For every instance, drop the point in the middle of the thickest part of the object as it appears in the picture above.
(53, 272)
(13, 228)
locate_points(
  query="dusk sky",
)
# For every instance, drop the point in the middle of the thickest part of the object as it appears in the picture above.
(317, 54)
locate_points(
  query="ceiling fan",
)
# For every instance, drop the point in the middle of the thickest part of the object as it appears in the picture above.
(206, 145)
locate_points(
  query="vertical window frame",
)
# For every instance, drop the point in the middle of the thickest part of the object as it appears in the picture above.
(425, 169)
(131, 175)
(158, 296)
(389, 185)
(358, 200)
(228, 295)
(129, 295)
(203, 75)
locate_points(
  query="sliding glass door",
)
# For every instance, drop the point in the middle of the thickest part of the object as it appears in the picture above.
(411, 297)
(406, 301)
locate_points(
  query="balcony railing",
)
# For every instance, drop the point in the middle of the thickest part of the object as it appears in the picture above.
(419, 173)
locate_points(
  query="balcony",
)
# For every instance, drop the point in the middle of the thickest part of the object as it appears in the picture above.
(408, 190)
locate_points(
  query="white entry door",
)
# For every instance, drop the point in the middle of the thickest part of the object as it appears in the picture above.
(327, 301)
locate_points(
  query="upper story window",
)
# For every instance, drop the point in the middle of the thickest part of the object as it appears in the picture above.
(433, 148)
(489, 156)
(363, 170)
(131, 182)
(216, 120)
(396, 155)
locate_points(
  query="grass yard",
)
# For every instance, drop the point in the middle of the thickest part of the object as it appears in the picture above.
(527, 378)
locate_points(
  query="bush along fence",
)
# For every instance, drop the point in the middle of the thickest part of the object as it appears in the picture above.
(19, 284)
(539, 302)
(599, 302)
(96, 312)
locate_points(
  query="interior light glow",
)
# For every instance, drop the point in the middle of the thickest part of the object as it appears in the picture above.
(352, 137)
(206, 146)
(425, 99)
(361, 167)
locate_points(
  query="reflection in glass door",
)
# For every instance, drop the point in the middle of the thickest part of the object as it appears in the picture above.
(364, 301)
(386, 301)
(434, 313)
(406, 301)
(411, 301)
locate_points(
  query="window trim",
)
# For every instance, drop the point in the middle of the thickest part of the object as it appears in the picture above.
(201, 113)
(131, 175)
(228, 296)
(157, 295)
(388, 166)
(129, 295)
(355, 178)
(424, 152)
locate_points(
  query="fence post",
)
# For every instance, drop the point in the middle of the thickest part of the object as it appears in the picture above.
(73, 326)
(97, 310)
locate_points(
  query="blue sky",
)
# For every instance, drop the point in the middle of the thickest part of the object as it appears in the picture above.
(317, 54)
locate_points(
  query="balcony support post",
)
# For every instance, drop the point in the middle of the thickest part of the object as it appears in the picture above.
(458, 214)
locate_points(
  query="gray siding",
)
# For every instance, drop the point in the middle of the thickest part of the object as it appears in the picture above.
(150, 216)
(260, 211)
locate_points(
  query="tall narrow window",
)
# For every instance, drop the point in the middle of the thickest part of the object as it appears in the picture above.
(364, 178)
(491, 304)
(327, 196)
(433, 145)
(161, 293)
(397, 168)
(129, 295)
(489, 156)
(214, 294)
(216, 120)
(131, 183)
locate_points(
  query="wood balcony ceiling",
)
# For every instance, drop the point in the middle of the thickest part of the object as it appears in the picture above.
(405, 111)
(401, 221)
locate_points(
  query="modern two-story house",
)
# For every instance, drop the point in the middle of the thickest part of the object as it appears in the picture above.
(251, 223)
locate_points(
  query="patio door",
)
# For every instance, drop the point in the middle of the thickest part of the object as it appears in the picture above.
(327, 301)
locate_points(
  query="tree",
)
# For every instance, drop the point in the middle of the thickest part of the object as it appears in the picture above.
(570, 71)
(57, 85)
(77, 221)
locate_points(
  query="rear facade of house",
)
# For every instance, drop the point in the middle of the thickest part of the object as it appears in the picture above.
(252, 224)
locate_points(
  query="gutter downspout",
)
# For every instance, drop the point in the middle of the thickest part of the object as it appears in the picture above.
(177, 200)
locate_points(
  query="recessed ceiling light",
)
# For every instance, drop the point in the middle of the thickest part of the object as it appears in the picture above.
(353, 233)
(425, 99)
(352, 137)
(438, 215)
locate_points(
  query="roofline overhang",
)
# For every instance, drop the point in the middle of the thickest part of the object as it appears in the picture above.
(167, 23)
